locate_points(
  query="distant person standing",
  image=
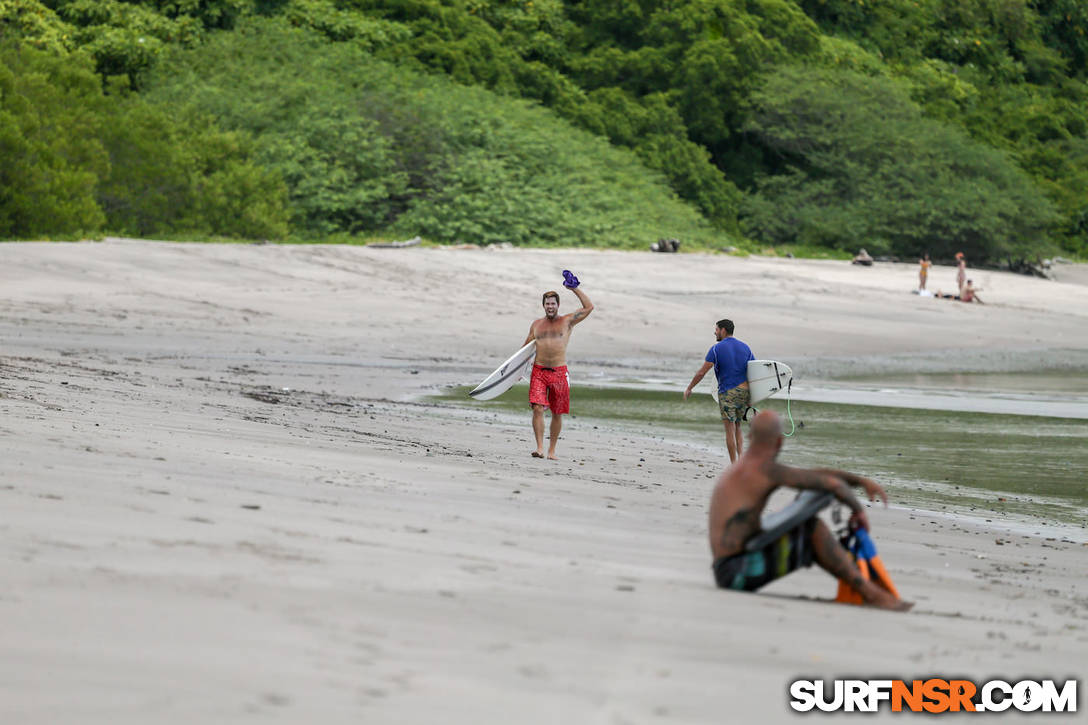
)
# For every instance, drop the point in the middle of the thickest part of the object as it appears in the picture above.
(923, 271)
(961, 272)
(729, 357)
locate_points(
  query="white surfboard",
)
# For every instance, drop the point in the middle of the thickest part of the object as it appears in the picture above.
(767, 377)
(515, 368)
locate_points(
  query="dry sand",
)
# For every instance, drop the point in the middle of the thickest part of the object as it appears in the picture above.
(226, 501)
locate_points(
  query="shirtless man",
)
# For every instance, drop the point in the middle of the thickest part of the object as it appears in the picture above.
(969, 293)
(738, 500)
(549, 386)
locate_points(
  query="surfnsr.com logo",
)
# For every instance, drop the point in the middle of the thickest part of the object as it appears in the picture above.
(933, 695)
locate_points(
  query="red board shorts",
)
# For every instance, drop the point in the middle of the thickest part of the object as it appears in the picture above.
(550, 387)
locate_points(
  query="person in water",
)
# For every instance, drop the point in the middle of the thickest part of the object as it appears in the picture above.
(549, 385)
(737, 503)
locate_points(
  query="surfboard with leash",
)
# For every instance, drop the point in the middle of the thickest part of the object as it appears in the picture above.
(767, 377)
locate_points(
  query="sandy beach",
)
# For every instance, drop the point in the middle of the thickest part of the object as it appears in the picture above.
(228, 499)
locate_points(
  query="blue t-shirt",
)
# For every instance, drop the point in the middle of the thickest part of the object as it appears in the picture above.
(730, 358)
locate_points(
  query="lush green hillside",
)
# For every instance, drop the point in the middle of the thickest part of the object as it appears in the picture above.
(901, 125)
(365, 146)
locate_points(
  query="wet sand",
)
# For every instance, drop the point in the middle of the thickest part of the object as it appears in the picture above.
(227, 501)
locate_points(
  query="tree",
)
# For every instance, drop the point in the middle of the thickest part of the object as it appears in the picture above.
(858, 165)
(50, 115)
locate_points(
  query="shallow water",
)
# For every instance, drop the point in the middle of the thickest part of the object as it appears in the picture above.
(981, 465)
(1045, 381)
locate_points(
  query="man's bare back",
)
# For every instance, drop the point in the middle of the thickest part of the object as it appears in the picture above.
(742, 491)
(736, 506)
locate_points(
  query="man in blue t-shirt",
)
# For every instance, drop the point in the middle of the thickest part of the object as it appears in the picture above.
(729, 358)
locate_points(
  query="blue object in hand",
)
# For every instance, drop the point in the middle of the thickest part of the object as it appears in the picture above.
(569, 280)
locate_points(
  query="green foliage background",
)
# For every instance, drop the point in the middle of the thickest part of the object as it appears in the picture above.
(900, 125)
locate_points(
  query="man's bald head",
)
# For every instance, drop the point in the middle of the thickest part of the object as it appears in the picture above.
(766, 429)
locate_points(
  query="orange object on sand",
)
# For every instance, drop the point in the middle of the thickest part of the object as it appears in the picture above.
(869, 564)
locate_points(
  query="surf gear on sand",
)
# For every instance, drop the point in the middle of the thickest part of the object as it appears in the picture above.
(860, 544)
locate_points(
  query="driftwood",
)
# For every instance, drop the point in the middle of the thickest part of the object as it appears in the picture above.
(863, 259)
(1034, 269)
(395, 245)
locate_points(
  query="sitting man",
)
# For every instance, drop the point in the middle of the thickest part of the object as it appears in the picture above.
(970, 293)
(737, 503)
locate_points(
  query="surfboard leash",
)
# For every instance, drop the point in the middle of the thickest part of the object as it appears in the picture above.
(793, 426)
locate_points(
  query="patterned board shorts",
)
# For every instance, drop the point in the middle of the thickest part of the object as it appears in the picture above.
(754, 569)
(550, 387)
(733, 403)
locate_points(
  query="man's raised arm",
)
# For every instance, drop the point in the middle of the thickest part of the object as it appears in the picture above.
(587, 306)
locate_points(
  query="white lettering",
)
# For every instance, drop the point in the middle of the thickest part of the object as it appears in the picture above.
(879, 690)
(989, 704)
(803, 693)
(836, 702)
(1065, 701)
(1027, 696)
(855, 695)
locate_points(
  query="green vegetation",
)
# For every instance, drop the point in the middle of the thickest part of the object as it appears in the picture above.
(365, 146)
(901, 125)
(860, 166)
(77, 160)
